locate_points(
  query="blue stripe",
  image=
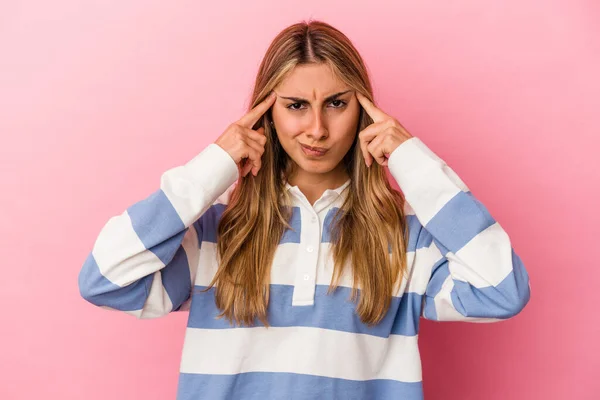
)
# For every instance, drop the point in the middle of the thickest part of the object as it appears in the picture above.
(208, 224)
(334, 311)
(209, 221)
(98, 290)
(440, 272)
(327, 222)
(415, 241)
(280, 385)
(293, 235)
(198, 225)
(418, 236)
(429, 310)
(155, 219)
(502, 301)
(459, 221)
(95, 288)
(176, 278)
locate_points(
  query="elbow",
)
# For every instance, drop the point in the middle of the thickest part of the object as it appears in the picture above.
(500, 302)
(518, 303)
(514, 307)
(95, 288)
(98, 290)
(515, 290)
(519, 297)
(88, 285)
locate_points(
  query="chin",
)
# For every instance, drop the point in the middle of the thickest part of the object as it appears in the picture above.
(315, 166)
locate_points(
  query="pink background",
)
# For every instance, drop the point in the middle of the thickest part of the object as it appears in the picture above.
(98, 98)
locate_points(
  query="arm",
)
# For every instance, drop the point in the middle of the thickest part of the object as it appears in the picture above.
(478, 277)
(144, 260)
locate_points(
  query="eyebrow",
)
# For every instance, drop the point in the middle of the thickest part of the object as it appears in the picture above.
(329, 98)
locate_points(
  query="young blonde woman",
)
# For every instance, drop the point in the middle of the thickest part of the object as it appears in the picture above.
(304, 272)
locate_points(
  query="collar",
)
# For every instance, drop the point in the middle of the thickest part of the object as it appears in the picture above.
(328, 197)
(337, 190)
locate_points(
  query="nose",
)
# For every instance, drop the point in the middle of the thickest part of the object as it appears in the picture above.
(317, 130)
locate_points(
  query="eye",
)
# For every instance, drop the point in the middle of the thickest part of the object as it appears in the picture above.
(342, 105)
(296, 106)
(293, 104)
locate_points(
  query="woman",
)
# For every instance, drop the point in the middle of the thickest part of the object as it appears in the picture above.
(304, 272)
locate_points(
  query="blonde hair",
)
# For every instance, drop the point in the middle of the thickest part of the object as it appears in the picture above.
(369, 228)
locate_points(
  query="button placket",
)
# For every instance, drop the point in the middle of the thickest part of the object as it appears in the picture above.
(310, 237)
(304, 289)
(311, 248)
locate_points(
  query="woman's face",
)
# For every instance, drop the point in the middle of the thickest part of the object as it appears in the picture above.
(308, 112)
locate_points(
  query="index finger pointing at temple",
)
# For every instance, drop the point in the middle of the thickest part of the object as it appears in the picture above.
(375, 113)
(253, 115)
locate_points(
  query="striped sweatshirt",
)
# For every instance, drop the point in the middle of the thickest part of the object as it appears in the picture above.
(148, 260)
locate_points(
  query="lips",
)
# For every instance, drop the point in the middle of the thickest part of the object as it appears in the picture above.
(321, 149)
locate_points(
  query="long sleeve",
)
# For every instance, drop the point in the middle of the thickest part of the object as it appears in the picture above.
(478, 277)
(144, 260)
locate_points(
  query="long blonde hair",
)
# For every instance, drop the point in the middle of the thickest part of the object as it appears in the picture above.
(368, 227)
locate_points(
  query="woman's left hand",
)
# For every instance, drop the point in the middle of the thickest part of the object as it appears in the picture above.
(382, 137)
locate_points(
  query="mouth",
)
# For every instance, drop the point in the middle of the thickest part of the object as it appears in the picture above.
(313, 151)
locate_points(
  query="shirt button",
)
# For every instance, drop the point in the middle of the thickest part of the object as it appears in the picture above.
(309, 249)
(306, 277)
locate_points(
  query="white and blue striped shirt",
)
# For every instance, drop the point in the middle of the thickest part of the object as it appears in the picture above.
(461, 266)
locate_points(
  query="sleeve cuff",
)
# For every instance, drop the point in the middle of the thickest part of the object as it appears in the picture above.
(427, 182)
(412, 158)
(213, 169)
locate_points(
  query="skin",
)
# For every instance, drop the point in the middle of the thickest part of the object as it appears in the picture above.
(319, 123)
(317, 120)
(382, 137)
(331, 124)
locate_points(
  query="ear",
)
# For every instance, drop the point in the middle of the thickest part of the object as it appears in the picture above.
(270, 119)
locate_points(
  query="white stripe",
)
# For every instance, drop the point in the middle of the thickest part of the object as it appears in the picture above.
(445, 308)
(301, 350)
(428, 203)
(192, 188)
(418, 170)
(121, 255)
(425, 259)
(288, 255)
(485, 260)
(158, 302)
(192, 250)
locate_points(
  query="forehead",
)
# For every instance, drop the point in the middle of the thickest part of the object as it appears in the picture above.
(311, 81)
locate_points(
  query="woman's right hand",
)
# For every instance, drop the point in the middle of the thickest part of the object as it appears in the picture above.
(245, 145)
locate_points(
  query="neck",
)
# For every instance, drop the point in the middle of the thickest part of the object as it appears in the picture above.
(313, 185)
